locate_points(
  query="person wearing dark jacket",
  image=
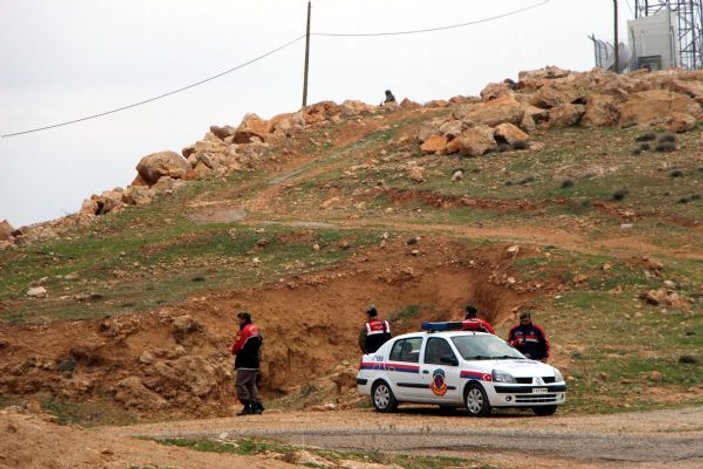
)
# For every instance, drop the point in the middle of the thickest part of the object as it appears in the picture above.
(246, 349)
(529, 338)
(374, 333)
(472, 323)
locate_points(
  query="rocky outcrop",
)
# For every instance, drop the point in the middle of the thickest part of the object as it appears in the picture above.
(656, 107)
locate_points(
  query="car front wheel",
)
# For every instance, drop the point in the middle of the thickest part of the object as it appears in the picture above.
(383, 398)
(476, 401)
(545, 410)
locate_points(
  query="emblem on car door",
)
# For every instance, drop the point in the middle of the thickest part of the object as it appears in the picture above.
(439, 385)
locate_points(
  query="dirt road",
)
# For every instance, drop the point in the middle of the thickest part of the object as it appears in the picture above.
(668, 438)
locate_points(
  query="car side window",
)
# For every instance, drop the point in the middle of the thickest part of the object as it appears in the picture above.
(406, 350)
(437, 348)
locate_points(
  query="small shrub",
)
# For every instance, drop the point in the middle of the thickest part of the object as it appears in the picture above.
(566, 183)
(648, 137)
(619, 194)
(67, 365)
(695, 197)
(521, 145)
(637, 151)
(671, 138)
(645, 146)
(677, 173)
(683, 200)
(526, 180)
(665, 147)
(503, 147)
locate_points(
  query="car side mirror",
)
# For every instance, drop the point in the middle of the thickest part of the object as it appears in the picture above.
(449, 359)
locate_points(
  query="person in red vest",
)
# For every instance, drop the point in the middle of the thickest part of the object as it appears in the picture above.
(246, 348)
(472, 323)
(374, 333)
(529, 338)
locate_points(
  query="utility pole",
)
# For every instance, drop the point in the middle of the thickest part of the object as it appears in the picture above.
(307, 59)
(617, 46)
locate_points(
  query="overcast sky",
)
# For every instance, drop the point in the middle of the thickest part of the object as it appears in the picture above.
(64, 60)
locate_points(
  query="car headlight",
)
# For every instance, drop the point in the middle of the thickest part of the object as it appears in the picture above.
(502, 377)
(558, 376)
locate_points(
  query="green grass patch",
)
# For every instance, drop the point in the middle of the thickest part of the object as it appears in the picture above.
(86, 414)
(250, 447)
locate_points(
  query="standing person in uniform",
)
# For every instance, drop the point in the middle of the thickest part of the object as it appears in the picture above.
(246, 348)
(473, 323)
(529, 338)
(374, 333)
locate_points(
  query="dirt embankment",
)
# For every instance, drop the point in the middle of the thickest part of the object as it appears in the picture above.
(174, 362)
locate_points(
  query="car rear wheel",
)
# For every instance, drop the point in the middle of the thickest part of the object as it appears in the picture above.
(383, 398)
(476, 401)
(545, 410)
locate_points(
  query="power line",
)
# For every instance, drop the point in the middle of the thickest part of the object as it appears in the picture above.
(129, 106)
(440, 28)
(192, 85)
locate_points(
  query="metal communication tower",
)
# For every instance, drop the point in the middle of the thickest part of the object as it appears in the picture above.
(690, 24)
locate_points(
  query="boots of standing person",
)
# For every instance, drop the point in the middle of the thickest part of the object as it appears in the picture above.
(258, 408)
(247, 410)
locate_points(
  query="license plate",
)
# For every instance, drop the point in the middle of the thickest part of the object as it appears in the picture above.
(539, 390)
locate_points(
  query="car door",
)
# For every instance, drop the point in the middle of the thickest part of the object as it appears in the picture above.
(439, 373)
(403, 367)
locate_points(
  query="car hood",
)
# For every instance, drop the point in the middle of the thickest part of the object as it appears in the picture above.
(523, 368)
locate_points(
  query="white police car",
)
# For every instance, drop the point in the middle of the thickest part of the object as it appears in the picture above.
(458, 368)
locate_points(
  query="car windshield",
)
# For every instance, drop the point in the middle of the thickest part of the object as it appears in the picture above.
(484, 347)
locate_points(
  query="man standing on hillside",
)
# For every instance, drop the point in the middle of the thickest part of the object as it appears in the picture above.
(374, 333)
(246, 348)
(473, 323)
(529, 338)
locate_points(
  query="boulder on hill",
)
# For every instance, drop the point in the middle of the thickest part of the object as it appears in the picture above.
(510, 134)
(5, 230)
(491, 113)
(554, 94)
(252, 127)
(153, 167)
(477, 141)
(656, 107)
(222, 132)
(320, 112)
(601, 111)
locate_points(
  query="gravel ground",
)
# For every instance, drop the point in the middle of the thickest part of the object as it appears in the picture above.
(665, 438)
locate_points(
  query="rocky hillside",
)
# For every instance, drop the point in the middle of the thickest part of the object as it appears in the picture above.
(575, 194)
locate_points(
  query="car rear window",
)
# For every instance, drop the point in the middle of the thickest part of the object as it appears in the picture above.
(406, 350)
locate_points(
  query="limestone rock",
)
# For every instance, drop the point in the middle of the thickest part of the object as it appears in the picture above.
(153, 167)
(656, 107)
(434, 144)
(5, 230)
(252, 126)
(510, 133)
(477, 141)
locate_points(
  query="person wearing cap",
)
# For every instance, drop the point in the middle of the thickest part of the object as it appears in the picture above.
(529, 338)
(472, 323)
(374, 333)
(246, 348)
